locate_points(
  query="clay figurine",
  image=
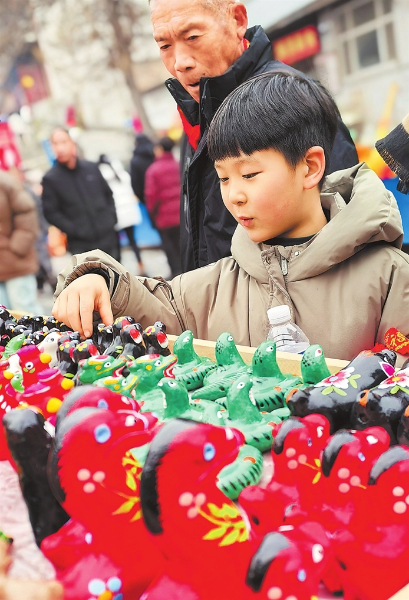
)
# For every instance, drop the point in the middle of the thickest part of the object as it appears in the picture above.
(155, 339)
(383, 405)
(184, 510)
(132, 341)
(244, 471)
(334, 396)
(149, 370)
(32, 362)
(49, 345)
(270, 386)
(257, 428)
(230, 365)
(116, 346)
(98, 367)
(190, 368)
(378, 524)
(92, 466)
(48, 393)
(175, 403)
(30, 444)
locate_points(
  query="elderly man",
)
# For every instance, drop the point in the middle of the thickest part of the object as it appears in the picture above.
(207, 48)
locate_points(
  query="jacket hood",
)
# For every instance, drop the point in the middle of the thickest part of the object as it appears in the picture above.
(362, 211)
(258, 53)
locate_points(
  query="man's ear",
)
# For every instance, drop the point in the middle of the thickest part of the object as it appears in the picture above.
(239, 14)
(314, 161)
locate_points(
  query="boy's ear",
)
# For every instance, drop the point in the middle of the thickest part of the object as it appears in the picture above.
(314, 161)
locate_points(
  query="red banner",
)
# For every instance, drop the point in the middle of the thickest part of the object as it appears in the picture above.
(33, 80)
(298, 45)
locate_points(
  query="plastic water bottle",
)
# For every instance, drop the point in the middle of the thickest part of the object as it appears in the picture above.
(284, 332)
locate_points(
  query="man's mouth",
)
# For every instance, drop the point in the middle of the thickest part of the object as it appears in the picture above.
(194, 86)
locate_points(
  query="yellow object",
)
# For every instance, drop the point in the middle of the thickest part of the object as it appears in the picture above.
(53, 405)
(45, 358)
(8, 374)
(67, 384)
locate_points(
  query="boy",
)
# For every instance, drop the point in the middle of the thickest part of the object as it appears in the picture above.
(331, 254)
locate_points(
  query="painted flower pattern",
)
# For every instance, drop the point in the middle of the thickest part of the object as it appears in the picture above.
(339, 381)
(398, 381)
(228, 525)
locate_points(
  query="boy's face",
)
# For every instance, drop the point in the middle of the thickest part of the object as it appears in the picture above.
(264, 194)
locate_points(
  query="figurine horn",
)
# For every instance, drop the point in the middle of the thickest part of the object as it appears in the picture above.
(268, 550)
(286, 427)
(150, 503)
(332, 449)
(386, 461)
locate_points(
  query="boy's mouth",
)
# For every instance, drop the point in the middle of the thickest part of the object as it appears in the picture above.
(245, 221)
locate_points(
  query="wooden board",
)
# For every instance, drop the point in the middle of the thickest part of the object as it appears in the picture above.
(288, 363)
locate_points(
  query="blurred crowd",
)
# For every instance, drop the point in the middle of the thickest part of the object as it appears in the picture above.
(79, 206)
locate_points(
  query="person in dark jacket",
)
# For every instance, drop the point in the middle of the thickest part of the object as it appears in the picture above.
(209, 51)
(162, 195)
(143, 156)
(77, 199)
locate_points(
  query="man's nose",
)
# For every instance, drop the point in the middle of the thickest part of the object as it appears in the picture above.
(184, 61)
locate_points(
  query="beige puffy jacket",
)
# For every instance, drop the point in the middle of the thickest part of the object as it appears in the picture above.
(345, 287)
(18, 229)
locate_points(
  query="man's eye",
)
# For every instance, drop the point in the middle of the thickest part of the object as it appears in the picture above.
(223, 179)
(192, 37)
(164, 47)
(249, 175)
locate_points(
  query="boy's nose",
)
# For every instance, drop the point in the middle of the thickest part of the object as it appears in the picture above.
(236, 196)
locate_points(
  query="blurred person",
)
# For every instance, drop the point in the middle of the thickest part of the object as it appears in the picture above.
(162, 196)
(126, 203)
(209, 51)
(18, 235)
(143, 156)
(77, 199)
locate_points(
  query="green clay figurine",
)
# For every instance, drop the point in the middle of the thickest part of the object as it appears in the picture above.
(245, 470)
(270, 386)
(13, 345)
(175, 402)
(243, 414)
(230, 366)
(313, 366)
(190, 368)
(99, 367)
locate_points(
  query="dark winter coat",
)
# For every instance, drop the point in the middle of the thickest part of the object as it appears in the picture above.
(206, 225)
(18, 229)
(143, 156)
(80, 203)
(162, 191)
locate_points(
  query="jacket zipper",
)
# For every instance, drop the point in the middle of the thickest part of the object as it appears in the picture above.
(284, 266)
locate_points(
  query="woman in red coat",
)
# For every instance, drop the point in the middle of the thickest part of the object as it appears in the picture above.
(162, 196)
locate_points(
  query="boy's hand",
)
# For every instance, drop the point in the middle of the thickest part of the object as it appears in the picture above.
(75, 305)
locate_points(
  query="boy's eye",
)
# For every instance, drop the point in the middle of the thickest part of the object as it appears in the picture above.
(223, 179)
(249, 175)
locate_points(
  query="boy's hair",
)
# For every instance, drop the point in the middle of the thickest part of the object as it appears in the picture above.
(276, 110)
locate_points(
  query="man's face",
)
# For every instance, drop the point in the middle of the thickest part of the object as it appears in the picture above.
(197, 42)
(265, 195)
(63, 146)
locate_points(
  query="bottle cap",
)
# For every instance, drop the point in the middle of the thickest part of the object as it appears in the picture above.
(279, 314)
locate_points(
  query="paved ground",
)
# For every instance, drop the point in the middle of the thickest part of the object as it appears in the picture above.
(154, 259)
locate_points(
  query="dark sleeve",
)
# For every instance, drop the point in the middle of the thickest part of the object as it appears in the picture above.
(51, 209)
(138, 170)
(394, 149)
(344, 154)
